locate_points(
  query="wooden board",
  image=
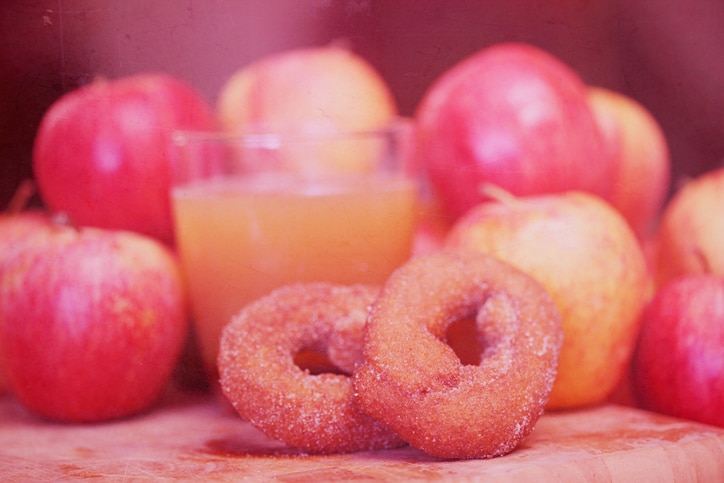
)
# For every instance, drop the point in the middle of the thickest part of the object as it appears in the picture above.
(195, 438)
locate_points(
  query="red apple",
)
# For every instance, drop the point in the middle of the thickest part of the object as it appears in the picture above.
(679, 361)
(584, 253)
(102, 152)
(514, 116)
(690, 236)
(637, 146)
(92, 322)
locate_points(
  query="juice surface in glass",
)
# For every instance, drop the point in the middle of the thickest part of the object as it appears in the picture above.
(241, 237)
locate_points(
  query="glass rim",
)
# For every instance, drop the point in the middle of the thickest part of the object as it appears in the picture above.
(271, 139)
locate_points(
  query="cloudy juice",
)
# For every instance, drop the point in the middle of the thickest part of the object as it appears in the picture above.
(241, 237)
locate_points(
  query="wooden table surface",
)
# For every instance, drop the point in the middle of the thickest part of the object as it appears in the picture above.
(192, 437)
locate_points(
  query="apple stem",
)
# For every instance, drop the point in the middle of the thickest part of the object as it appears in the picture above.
(21, 197)
(701, 256)
(499, 194)
(341, 43)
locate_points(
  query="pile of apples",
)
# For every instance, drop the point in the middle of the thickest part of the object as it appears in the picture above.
(518, 158)
(94, 314)
(569, 183)
(93, 309)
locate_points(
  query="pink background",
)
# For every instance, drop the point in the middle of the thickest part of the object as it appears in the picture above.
(668, 54)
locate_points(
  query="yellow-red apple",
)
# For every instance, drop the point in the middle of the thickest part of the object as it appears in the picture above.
(316, 88)
(585, 254)
(312, 91)
(13, 228)
(92, 322)
(639, 151)
(690, 235)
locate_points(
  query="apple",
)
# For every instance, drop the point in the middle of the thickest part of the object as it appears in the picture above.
(514, 116)
(310, 91)
(432, 227)
(313, 88)
(584, 253)
(679, 362)
(639, 151)
(16, 222)
(102, 152)
(428, 237)
(16, 226)
(13, 228)
(690, 235)
(92, 322)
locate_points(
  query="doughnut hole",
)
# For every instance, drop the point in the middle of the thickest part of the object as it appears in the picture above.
(284, 366)
(433, 318)
(315, 362)
(464, 339)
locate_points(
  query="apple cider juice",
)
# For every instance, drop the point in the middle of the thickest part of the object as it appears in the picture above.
(241, 237)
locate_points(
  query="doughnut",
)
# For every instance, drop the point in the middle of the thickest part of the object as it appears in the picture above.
(413, 381)
(316, 413)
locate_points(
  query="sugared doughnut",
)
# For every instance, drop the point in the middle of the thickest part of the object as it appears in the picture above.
(316, 413)
(413, 381)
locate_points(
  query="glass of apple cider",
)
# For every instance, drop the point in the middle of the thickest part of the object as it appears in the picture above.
(261, 210)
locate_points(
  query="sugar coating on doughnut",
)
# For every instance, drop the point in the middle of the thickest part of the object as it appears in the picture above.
(316, 413)
(413, 381)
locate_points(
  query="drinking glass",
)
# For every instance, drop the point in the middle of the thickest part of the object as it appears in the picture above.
(257, 211)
